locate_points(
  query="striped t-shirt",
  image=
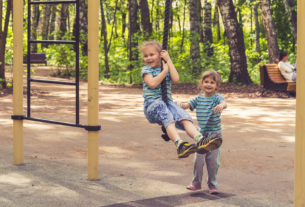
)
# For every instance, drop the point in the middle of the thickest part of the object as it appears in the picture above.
(208, 120)
(150, 94)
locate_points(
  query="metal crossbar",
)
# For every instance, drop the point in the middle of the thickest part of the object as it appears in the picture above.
(53, 41)
(30, 80)
(52, 2)
(52, 81)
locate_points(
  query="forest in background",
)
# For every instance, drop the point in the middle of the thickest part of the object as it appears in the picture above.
(233, 37)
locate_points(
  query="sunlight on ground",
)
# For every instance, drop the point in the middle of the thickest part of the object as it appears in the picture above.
(289, 138)
(15, 179)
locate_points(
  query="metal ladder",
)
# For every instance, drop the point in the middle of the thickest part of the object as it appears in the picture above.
(76, 83)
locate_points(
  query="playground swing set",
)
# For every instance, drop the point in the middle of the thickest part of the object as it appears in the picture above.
(93, 126)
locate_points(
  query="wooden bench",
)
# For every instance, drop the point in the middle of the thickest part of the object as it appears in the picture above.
(36, 58)
(272, 79)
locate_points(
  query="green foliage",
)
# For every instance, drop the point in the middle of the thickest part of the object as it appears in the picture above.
(122, 70)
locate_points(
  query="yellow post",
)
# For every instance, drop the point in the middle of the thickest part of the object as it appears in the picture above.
(93, 78)
(18, 80)
(299, 174)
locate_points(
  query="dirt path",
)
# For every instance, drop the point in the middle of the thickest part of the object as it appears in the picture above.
(257, 156)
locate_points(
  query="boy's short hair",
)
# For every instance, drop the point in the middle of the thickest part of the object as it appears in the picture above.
(282, 55)
(213, 74)
(149, 43)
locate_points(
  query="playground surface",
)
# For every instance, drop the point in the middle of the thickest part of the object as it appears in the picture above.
(137, 168)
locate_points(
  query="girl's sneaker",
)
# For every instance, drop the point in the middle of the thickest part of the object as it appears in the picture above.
(185, 149)
(213, 191)
(207, 144)
(193, 187)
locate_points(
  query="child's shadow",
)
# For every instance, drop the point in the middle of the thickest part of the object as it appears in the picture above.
(206, 195)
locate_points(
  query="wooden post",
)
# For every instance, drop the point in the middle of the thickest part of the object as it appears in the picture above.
(93, 78)
(299, 175)
(18, 81)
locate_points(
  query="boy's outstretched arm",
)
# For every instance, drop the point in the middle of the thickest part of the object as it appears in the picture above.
(220, 107)
(184, 105)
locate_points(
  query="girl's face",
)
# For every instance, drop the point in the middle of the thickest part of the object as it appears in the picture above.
(152, 57)
(209, 86)
(285, 58)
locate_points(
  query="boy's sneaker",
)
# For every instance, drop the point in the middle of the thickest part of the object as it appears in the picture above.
(193, 187)
(185, 149)
(207, 144)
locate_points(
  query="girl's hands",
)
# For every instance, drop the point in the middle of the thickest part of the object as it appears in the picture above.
(164, 54)
(165, 66)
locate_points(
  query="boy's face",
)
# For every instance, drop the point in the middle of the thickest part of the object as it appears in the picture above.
(152, 57)
(285, 58)
(209, 86)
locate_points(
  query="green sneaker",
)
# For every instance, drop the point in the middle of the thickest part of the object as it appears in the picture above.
(185, 149)
(207, 144)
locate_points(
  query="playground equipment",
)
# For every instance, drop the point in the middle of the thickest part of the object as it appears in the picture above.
(299, 171)
(93, 5)
(93, 71)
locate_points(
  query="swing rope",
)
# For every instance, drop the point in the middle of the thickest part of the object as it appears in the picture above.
(164, 47)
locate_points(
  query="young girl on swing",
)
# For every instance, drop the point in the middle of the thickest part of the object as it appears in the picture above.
(169, 116)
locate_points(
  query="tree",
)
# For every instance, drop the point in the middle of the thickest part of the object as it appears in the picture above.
(239, 72)
(207, 28)
(145, 19)
(104, 36)
(3, 35)
(105, 40)
(273, 48)
(63, 20)
(289, 6)
(195, 37)
(34, 26)
(216, 22)
(257, 29)
(52, 23)
(83, 26)
(133, 28)
(45, 23)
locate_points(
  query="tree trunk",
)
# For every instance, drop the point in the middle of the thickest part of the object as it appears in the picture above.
(216, 22)
(145, 19)
(207, 29)
(133, 28)
(83, 26)
(104, 36)
(3, 35)
(34, 26)
(183, 25)
(63, 20)
(273, 48)
(52, 22)
(257, 29)
(157, 24)
(195, 37)
(292, 17)
(239, 72)
(45, 24)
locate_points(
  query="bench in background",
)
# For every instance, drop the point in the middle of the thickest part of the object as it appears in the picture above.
(36, 58)
(272, 79)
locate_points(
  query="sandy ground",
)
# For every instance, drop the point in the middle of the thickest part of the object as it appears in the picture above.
(257, 156)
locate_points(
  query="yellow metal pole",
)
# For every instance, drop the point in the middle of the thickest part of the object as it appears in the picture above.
(93, 78)
(18, 80)
(299, 174)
